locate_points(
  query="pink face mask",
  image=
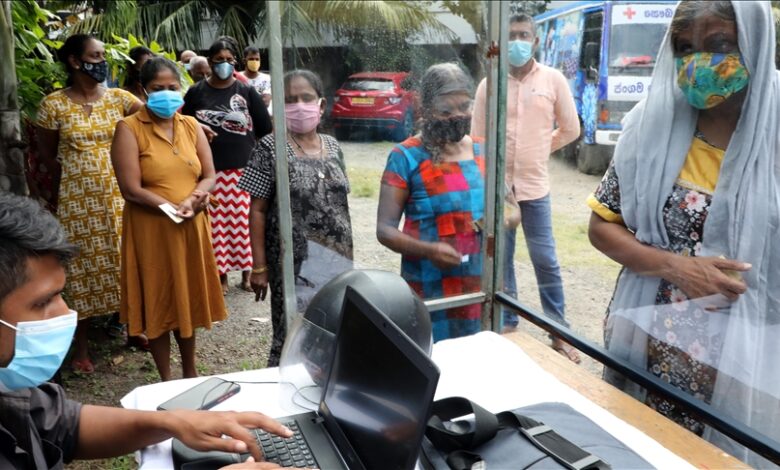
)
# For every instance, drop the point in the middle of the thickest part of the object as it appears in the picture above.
(302, 117)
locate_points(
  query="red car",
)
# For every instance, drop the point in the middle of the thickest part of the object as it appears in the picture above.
(375, 100)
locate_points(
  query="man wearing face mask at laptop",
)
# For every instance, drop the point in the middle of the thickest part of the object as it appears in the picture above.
(39, 427)
(538, 100)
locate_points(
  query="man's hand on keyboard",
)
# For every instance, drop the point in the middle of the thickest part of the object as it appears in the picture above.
(203, 430)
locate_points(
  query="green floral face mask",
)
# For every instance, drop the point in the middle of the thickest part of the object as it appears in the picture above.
(707, 79)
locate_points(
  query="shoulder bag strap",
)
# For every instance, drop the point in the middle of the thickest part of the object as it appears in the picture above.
(457, 438)
(563, 451)
(447, 435)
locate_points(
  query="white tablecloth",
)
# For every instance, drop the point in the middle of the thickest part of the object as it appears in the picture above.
(486, 368)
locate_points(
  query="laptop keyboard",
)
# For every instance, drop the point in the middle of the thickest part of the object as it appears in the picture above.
(290, 452)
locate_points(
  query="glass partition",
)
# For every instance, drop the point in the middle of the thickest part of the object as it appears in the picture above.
(382, 177)
(653, 254)
(382, 171)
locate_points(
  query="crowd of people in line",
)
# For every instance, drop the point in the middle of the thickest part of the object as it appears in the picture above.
(166, 192)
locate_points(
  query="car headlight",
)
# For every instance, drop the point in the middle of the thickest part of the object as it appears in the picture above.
(394, 100)
(336, 99)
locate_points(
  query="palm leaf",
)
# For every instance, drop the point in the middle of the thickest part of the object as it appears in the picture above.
(392, 16)
(175, 24)
(295, 22)
(233, 24)
(119, 16)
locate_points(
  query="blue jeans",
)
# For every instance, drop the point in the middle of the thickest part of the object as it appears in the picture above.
(537, 228)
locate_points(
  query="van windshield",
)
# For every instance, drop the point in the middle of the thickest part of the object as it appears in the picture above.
(633, 48)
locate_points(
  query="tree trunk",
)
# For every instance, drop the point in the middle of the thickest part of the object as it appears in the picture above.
(11, 147)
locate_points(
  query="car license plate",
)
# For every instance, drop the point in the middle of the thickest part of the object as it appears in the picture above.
(362, 101)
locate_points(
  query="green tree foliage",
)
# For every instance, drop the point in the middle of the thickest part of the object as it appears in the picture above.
(37, 71)
(532, 8)
(180, 24)
(118, 56)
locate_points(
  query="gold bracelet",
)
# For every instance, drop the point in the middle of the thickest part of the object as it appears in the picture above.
(259, 270)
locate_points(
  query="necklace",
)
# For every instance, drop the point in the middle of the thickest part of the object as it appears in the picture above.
(315, 157)
(316, 154)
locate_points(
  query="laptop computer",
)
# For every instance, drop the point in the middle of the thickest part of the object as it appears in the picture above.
(374, 406)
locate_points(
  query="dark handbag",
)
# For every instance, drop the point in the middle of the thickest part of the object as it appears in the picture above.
(547, 435)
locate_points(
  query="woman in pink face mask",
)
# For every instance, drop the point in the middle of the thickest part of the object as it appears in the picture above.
(322, 231)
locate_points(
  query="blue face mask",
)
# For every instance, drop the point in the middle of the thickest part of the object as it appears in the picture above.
(39, 349)
(223, 70)
(520, 52)
(164, 103)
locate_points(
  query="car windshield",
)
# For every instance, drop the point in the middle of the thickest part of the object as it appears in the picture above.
(633, 48)
(368, 84)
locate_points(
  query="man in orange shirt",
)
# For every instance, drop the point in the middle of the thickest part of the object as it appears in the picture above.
(538, 97)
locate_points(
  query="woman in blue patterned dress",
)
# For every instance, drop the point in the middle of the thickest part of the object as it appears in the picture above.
(689, 207)
(436, 181)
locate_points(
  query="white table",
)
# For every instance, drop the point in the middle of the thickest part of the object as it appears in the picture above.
(486, 368)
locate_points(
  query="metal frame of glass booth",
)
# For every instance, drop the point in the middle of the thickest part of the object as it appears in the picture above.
(491, 297)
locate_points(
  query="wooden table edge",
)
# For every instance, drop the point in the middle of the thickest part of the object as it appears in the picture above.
(675, 438)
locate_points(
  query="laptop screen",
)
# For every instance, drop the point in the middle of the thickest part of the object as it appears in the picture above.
(380, 388)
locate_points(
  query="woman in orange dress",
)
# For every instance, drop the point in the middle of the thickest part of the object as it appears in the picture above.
(169, 276)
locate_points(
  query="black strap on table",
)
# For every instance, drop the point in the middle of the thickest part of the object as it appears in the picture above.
(458, 438)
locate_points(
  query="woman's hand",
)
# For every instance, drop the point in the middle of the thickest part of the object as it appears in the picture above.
(208, 132)
(259, 283)
(200, 200)
(444, 256)
(193, 204)
(700, 277)
(185, 209)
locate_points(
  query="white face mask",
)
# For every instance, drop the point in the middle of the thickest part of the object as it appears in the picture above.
(39, 350)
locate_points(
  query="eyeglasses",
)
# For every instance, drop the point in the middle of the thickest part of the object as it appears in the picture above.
(448, 108)
(229, 61)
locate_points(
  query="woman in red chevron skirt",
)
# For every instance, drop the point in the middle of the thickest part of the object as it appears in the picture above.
(237, 114)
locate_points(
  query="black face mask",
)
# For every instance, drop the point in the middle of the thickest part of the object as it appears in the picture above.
(97, 71)
(446, 131)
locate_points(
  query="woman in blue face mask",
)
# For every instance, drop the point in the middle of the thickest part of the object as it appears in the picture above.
(235, 111)
(690, 208)
(162, 161)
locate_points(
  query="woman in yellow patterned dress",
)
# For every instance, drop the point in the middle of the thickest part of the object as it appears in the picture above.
(76, 126)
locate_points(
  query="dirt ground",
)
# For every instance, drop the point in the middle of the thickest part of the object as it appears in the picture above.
(241, 342)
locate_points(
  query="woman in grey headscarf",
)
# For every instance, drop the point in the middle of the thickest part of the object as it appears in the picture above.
(689, 207)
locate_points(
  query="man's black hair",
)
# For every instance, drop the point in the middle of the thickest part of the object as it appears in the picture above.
(27, 230)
